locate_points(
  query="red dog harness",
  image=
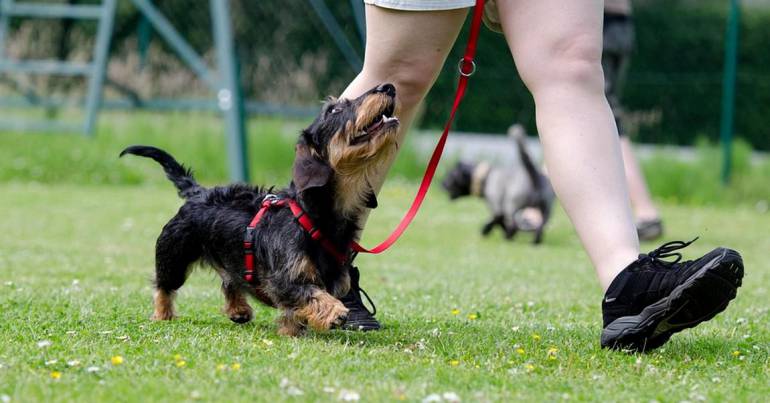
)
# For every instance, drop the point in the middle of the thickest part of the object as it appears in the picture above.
(271, 201)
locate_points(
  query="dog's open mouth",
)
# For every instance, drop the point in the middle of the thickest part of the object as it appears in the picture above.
(384, 121)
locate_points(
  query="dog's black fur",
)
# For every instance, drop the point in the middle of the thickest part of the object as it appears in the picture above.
(334, 156)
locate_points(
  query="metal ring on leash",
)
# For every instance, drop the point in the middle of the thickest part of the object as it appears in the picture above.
(461, 64)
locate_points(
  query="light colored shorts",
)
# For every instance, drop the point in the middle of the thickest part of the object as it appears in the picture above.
(491, 18)
(422, 5)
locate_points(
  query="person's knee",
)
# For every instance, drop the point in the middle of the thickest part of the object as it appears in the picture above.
(413, 78)
(573, 61)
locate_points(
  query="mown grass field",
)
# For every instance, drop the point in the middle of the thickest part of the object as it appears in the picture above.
(465, 317)
(484, 319)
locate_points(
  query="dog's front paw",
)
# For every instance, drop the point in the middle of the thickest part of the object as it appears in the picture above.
(324, 312)
(162, 315)
(289, 325)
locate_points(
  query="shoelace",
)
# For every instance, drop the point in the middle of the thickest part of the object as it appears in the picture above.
(667, 250)
(374, 308)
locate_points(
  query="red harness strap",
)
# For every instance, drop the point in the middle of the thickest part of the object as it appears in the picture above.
(304, 221)
(467, 67)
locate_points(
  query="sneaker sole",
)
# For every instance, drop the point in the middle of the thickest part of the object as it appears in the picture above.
(705, 294)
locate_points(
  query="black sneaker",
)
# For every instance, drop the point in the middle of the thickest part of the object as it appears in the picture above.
(359, 317)
(652, 299)
(649, 230)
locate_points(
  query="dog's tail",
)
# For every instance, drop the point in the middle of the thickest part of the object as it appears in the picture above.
(181, 177)
(518, 133)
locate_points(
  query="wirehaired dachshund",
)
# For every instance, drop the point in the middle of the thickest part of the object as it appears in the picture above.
(349, 141)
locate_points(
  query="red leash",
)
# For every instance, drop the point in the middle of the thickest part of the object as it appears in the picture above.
(467, 67)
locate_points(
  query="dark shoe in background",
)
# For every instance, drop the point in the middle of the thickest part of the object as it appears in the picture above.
(649, 230)
(652, 299)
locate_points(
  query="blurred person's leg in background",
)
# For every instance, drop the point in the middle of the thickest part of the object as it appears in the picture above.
(618, 44)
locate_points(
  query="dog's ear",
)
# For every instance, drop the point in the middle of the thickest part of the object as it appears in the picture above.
(308, 170)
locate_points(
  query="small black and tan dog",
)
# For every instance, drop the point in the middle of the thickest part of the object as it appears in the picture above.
(335, 155)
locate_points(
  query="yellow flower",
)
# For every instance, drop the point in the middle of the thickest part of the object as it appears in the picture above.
(236, 366)
(520, 350)
(454, 363)
(736, 353)
(55, 374)
(181, 363)
(552, 353)
(116, 360)
(535, 337)
(529, 367)
(455, 311)
(473, 316)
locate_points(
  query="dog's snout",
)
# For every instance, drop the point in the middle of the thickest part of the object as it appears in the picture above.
(387, 88)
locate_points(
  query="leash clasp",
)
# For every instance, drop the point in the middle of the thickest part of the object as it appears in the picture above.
(270, 200)
(467, 67)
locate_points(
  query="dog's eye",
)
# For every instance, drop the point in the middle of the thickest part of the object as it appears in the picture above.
(332, 111)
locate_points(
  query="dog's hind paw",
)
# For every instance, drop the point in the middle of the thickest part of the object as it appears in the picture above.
(241, 317)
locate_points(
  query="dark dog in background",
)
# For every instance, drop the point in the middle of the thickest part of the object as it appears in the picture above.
(346, 143)
(507, 191)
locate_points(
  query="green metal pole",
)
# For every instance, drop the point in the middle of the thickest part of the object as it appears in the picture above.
(728, 89)
(229, 93)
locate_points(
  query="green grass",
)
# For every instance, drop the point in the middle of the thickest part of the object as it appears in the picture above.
(76, 261)
(198, 140)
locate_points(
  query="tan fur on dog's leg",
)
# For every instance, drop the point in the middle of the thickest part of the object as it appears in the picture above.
(323, 311)
(164, 305)
(237, 308)
(288, 324)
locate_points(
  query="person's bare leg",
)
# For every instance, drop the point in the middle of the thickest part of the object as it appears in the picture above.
(407, 49)
(557, 47)
(644, 208)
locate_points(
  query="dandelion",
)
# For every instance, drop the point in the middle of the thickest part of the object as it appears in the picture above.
(55, 374)
(454, 363)
(535, 337)
(552, 353)
(455, 311)
(529, 367)
(520, 351)
(235, 367)
(116, 360)
(181, 363)
(736, 353)
(473, 316)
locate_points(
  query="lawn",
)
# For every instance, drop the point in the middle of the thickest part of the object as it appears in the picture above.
(466, 317)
